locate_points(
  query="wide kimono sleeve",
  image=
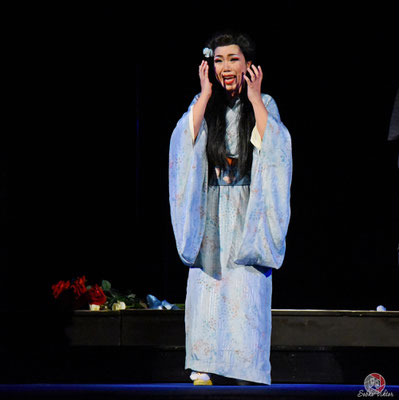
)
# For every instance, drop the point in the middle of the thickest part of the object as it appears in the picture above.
(188, 185)
(268, 212)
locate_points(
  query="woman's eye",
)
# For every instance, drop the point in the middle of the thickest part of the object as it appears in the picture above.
(218, 61)
(235, 59)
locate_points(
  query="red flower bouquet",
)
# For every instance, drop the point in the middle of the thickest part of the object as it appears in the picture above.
(76, 295)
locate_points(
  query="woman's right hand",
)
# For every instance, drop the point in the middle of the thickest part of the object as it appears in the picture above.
(206, 85)
(206, 92)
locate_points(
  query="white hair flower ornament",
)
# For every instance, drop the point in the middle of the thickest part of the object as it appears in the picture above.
(207, 52)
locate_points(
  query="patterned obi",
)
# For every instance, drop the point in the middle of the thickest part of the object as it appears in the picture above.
(229, 177)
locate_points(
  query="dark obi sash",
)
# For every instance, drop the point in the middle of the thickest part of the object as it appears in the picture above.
(229, 176)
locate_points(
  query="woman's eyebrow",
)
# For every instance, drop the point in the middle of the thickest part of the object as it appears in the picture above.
(228, 55)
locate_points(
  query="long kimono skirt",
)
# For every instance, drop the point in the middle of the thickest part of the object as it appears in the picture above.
(228, 306)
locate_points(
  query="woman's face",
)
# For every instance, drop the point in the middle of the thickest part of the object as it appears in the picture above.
(230, 66)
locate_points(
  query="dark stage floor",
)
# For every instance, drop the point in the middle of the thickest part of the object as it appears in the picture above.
(186, 391)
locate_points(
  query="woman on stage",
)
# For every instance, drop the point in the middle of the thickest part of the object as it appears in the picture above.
(229, 184)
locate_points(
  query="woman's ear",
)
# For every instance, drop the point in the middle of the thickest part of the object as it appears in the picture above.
(249, 63)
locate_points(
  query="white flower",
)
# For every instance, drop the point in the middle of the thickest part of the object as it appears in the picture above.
(94, 307)
(119, 305)
(207, 52)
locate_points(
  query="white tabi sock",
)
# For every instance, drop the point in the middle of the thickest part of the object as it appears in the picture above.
(199, 375)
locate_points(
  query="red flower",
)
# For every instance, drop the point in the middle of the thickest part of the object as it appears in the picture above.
(79, 286)
(96, 295)
(60, 287)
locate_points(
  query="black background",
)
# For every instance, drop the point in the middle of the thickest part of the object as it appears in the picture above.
(98, 91)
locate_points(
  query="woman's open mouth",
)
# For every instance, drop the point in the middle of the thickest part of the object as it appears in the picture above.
(229, 79)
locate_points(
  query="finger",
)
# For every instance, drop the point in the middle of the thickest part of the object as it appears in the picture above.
(247, 79)
(202, 67)
(260, 72)
(256, 71)
(251, 74)
(206, 67)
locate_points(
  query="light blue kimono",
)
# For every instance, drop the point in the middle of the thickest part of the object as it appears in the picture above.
(231, 231)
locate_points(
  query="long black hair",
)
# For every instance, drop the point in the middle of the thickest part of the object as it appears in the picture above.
(215, 114)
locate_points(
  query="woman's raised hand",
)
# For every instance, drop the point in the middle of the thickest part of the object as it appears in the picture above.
(255, 97)
(206, 92)
(206, 85)
(254, 83)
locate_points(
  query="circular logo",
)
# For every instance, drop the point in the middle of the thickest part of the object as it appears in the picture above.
(374, 383)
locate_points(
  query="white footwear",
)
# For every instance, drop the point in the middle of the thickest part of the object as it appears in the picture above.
(200, 379)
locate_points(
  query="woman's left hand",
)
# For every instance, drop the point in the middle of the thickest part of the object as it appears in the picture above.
(254, 83)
